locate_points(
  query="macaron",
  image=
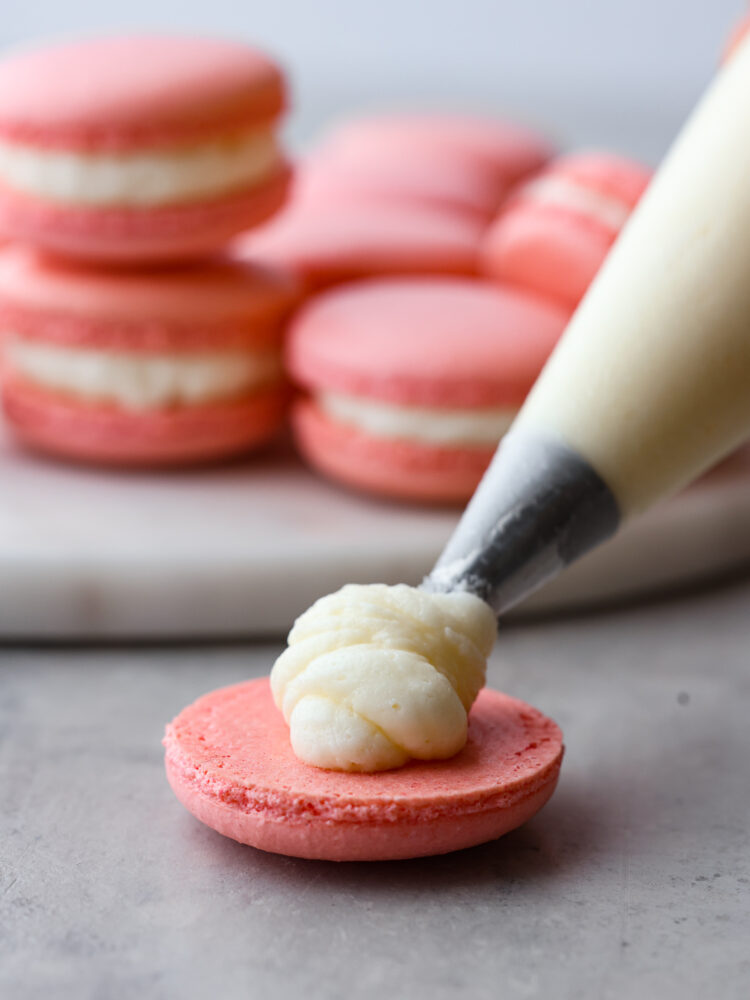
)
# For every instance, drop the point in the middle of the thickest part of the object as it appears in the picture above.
(398, 177)
(555, 232)
(325, 245)
(142, 368)
(497, 153)
(138, 148)
(230, 763)
(412, 382)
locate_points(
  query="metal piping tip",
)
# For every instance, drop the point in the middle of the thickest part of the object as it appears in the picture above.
(539, 507)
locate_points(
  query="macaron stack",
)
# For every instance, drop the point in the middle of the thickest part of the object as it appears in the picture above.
(401, 194)
(126, 166)
(143, 305)
(412, 377)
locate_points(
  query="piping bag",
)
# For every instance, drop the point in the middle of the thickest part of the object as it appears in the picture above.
(650, 383)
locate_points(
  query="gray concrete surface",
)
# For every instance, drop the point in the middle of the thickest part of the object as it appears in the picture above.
(634, 882)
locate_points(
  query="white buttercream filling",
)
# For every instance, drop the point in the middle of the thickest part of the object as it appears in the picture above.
(152, 177)
(431, 425)
(374, 675)
(561, 192)
(141, 381)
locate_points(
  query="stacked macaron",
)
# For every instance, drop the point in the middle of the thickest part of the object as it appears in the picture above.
(135, 333)
(137, 367)
(138, 148)
(118, 155)
(401, 194)
(411, 382)
(553, 233)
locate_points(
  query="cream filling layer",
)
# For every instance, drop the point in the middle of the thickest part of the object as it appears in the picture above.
(141, 179)
(424, 424)
(141, 381)
(561, 192)
(375, 675)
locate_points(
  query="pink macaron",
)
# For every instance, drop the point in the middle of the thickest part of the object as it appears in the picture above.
(395, 179)
(325, 244)
(554, 233)
(139, 368)
(230, 763)
(138, 148)
(496, 154)
(412, 382)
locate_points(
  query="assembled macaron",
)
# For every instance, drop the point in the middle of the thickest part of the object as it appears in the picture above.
(554, 233)
(411, 382)
(142, 368)
(395, 179)
(138, 148)
(497, 154)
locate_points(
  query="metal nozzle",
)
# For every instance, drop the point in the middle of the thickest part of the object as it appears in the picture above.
(538, 508)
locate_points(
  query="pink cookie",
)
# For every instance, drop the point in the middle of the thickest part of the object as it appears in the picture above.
(325, 245)
(554, 234)
(229, 761)
(413, 382)
(138, 148)
(498, 152)
(141, 368)
(396, 178)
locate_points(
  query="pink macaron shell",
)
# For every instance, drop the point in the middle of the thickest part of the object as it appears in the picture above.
(325, 247)
(132, 92)
(545, 250)
(214, 304)
(61, 426)
(137, 235)
(388, 467)
(230, 763)
(451, 342)
(418, 179)
(504, 152)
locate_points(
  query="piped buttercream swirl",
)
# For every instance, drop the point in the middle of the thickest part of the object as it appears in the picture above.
(375, 675)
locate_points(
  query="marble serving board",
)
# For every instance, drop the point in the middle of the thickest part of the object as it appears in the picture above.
(242, 549)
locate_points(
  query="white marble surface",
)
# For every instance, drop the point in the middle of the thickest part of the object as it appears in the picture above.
(242, 549)
(632, 884)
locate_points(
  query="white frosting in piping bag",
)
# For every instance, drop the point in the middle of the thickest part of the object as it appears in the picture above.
(651, 380)
(375, 675)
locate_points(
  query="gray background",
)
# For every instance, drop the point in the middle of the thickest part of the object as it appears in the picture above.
(618, 72)
(633, 883)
